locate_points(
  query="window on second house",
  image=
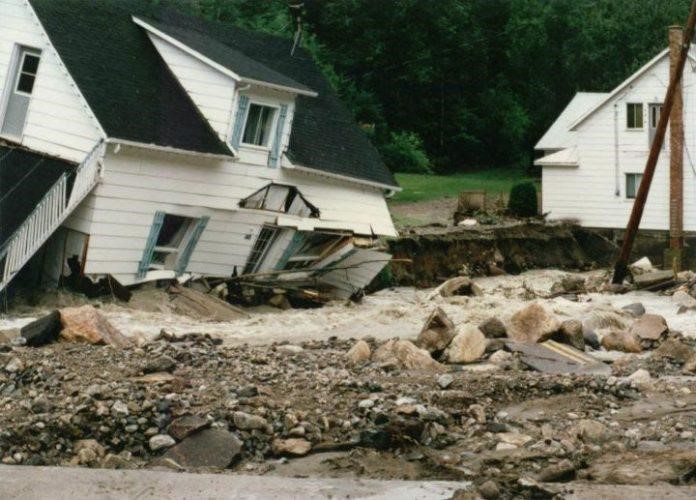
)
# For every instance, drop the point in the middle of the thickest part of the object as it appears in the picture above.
(257, 130)
(632, 184)
(634, 115)
(26, 76)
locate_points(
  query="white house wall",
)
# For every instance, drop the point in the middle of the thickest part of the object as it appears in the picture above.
(137, 183)
(58, 120)
(587, 193)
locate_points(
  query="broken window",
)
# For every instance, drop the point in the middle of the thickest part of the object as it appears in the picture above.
(632, 184)
(308, 248)
(263, 242)
(634, 115)
(170, 240)
(280, 198)
(257, 129)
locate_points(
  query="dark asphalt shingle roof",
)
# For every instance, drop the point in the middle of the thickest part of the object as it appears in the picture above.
(25, 177)
(226, 56)
(135, 97)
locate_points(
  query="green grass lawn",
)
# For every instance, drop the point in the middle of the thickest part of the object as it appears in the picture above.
(419, 187)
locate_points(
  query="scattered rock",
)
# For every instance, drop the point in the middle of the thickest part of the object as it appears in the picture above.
(461, 285)
(674, 349)
(500, 358)
(493, 328)
(160, 441)
(469, 345)
(292, 446)
(88, 452)
(618, 340)
(591, 431)
(405, 354)
(160, 364)
(650, 327)
(86, 324)
(208, 448)
(560, 472)
(570, 283)
(489, 490)
(437, 333)
(360, 353)
(290, 348)
(247, 421)
(186, 425)
(42, 331)
(14, 365)
(683, 299)
(532, 324)
(571, 333)
(641, 266)
(690, 365)
(590, 339)
(445, 380)
(653, 279)
(514, 438)
(640, 379)
(635, 309)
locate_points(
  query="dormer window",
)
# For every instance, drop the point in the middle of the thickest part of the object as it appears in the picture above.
(20, 86)
(257, 129)
(27, 73)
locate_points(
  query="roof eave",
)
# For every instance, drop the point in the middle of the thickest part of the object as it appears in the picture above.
(169, 149)
(346, 178)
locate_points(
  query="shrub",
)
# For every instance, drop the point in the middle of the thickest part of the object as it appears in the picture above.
(404, 153)
(523, 200)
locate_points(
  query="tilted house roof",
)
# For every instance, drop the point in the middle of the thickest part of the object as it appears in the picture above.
(135, 97)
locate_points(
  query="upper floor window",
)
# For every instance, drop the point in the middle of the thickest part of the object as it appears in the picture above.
(257, 129)
(634, 115)
(29, 66)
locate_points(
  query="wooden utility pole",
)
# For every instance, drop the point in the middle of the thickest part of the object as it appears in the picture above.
(676, 151)
(621, 267)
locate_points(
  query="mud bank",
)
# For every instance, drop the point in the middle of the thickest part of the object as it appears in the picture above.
(438, 253)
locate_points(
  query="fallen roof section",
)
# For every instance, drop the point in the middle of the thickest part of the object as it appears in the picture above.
(25, 177)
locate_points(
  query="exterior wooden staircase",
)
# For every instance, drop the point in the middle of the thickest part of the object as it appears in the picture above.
(56, 205)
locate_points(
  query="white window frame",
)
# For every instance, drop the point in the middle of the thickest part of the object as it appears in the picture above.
(175, 250)
(642, 115)
(24, 52)
(271, 131)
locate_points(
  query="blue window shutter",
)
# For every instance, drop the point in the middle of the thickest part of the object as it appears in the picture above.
(238, 128)
(274, 157)
(185, 256)
(150, 245)
(295, 243)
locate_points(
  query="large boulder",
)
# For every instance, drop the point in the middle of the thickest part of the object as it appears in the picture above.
(620, 340)
(493, 328)
(461, 285)
(532, 324)
(405, 354)
(360, 353)
(438, 331)
(207, 448)
(87, 324)
(468, 345)
(675, 349)
(649, 327)
(571, 333)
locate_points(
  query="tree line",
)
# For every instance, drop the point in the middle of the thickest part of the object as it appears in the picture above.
(453, 85)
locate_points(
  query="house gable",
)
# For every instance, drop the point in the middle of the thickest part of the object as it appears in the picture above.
(58, 121)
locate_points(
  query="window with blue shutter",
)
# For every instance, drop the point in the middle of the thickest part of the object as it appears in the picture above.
(150, 244)
(274, 157)
(239, 121)
(186, 253)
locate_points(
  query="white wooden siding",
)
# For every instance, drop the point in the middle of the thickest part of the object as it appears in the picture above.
(137, 183)
(58, 121)
(211, 91)
(587, 193)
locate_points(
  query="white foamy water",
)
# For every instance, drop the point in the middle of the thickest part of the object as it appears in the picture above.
(388, 313)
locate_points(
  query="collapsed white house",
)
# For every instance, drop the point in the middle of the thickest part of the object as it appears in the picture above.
(147, 145)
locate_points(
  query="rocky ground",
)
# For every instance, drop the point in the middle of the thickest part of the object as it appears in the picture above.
(336, 407)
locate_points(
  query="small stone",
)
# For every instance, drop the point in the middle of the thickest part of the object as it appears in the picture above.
(445, 380)
(591, 431)
(505, 446)
(161, 441)
(293, 446)
(489, 490)
(159, 364)
(88, 451)
(478, 413)
(15, 365)
(186, 425)
(514, 438)
(493, 328)
(360, 353)
(636, 309)
(405, 354)
(246, 421)
(120, 408)
(500, 358)
(640, 379)
(290, 348)
(366, 404)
